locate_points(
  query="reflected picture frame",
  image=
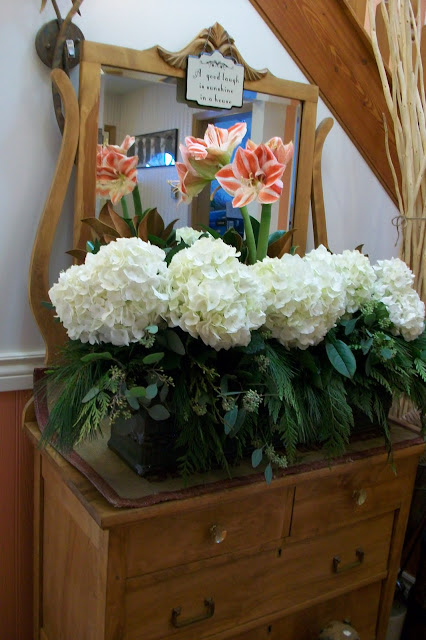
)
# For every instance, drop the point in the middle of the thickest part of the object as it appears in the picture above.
(156, 149)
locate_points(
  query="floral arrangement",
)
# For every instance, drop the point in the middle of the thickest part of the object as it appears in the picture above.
(244, 347)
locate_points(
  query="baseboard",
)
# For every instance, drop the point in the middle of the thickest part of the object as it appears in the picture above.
(16, 369)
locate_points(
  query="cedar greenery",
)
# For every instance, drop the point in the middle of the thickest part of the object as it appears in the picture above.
(261, 400)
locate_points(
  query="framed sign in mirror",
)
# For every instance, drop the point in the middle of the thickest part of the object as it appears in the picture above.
(141, 92)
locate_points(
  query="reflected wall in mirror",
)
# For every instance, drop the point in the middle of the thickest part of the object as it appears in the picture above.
(140, 94)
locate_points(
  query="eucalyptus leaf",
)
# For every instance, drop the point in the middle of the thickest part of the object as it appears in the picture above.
(152, 328)
(132, 402)
(158, 412)
(92, 393)
(386, 353)
(136, 392)
(241, 417)
(256, 457)
(350, 326)
(230, 418)
(341, 357)
(268, 473)
(152, 358)
(151, 391)
(163, 392)
(366, 344)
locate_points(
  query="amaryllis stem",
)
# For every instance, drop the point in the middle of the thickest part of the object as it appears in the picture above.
(265, 223)
(251, 243)
(124, 209)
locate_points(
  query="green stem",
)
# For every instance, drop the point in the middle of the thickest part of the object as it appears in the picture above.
(125, 209)
(137, 202)
(251, 243)
(265, 223)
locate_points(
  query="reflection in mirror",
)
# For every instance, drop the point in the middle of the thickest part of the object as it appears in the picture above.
(147, 106)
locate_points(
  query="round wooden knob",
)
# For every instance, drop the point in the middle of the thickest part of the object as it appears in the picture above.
(217, 533)
(360, 497)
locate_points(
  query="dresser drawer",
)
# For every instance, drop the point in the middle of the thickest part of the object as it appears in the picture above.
(360, 608)
(341, 499)
(227, 526)
(221, 593)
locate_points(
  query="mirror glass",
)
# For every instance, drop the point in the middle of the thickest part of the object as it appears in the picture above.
(152, 108)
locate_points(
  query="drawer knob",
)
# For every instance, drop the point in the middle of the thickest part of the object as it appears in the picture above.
(360, 496)
(209, 612)
(337, 568)
(217, 533)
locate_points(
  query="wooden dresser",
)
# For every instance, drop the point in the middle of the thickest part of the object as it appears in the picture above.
(249, 562)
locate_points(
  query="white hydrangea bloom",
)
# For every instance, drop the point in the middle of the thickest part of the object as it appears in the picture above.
(358, 276)
(304, 298)
(213, 296)
(394, 288)
(188, 235)
(115, 295)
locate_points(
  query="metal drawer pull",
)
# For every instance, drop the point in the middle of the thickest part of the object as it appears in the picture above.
(351, 565)
(208, 603)
(217, 533)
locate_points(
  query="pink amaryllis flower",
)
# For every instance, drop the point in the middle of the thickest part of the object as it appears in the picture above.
(282, 152)
(115, 171)
(190, 182)
(217, 145)
(255, 174)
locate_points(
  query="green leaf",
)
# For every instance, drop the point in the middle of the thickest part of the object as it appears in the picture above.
(174, 342)
(104, 355)
(230, 418)
(163, 392)
(256, 343)
(211, 231)
(387, 354)
(151, 391)
(158, 412)
(256, 226)
(242, 414)
(152, 358)
(366, 344)
(256, 457)
(276, 235)
(172, 252)
(341, 357)
(136, 392)
(350, 326)
(92, 393)
(152, 328)
(47, 305)
(268, 473)
(132, 402)
(159, 242)
(370, 319)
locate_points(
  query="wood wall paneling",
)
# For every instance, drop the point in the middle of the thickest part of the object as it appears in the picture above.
(333, 50)
(16, 520)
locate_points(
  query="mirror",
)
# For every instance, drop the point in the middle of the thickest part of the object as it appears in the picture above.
(141, 93)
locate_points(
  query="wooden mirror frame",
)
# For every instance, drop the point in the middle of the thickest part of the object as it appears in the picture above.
(159, 61)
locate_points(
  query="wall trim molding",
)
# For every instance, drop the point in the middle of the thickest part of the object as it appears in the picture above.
(16, 369)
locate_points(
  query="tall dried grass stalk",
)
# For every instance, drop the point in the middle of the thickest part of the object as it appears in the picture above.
(405, 98)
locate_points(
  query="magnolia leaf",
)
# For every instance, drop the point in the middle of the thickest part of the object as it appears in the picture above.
(78, 254)
(276, 235)
(359, 248)
(174, 342)
(43, 4)
(168, 230)
(159, 242)
(104, 215)
(155, 223)
(101, 228)
(108, 239)
(256, 457)
(158, 412)
(233, 238)
(151, 391)
(143, 229)
(152, 358)
(209, 230)
(341, 357)
(104, 355)
(136, 392)
(120, 224)
(230, 418)
(47, 305)
(268, 473)
(281, 246)
(174, 251)
(92, 393)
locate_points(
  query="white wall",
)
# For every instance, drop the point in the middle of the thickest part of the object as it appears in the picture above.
(358, 209)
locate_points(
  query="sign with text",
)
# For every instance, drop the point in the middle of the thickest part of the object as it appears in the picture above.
(214, 81)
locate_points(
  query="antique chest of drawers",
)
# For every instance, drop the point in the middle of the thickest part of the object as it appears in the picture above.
(248, 562)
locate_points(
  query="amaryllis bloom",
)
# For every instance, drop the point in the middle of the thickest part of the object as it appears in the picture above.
(282, 152)
(253, 175)
(115, 171)
(190, 183)
(217, 144)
